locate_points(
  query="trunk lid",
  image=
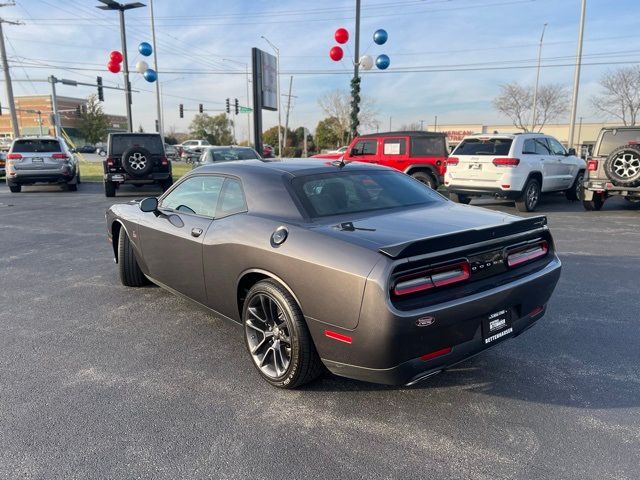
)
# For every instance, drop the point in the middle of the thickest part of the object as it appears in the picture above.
(475, 158)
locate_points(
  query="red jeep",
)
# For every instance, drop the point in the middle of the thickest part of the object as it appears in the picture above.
(422, 155)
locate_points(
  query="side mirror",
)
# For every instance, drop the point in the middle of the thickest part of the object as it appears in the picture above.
(149, 204)
(571, 152)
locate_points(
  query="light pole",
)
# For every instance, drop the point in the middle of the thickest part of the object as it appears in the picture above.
(535, 91)
(576, 76)
(155, 66)
(121, 7)
(277, 50)
(246, 69)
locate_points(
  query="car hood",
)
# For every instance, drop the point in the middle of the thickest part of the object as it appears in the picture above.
(410, 225)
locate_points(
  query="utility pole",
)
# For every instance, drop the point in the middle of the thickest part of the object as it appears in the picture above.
(155, 66)
(7, 75)
(355, 81)
(535, 91)
(390, 122)
(576, 76)
(435, 124)
(54, 105)
(421, 125)
(304, 142)
(286, 121)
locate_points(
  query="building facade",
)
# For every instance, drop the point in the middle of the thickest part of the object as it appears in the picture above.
(34, 117)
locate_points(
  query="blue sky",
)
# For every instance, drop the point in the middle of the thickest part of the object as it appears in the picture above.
(59, 35)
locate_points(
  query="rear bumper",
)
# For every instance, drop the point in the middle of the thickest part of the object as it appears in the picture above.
(482, 191)
(386, 347)
(592, 186)
(19, 177)
(126, 178)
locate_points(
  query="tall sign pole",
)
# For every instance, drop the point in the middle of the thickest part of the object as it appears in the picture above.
(125, 61)
(355, 81)
(256, 66)
(155, 66)
(7, 77)
(576, 76)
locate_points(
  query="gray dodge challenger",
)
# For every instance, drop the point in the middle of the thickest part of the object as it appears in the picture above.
(351, 267)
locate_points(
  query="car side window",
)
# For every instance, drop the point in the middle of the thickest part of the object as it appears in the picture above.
(232, 200)
(395, 146)
(529, 147)
(197, 195)
(556, 146)
(541, 146)
(366, 147)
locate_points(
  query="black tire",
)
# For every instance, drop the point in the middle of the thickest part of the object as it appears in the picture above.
(458, 198)
(137, 161)
(574, 194)
(128, 268)
(304, 364)
(72, 187)
(530, 196)
(623, 166)
(166, 184)
(15, 188)
(595, 204)
(109, 188)
(78, 181)
(426, 178)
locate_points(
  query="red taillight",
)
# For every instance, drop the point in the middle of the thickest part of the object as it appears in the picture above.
(110, 162)
(14, 156)
(536, 311)
(453, 161)
(164, 161)
(60, 156)
(437, 353)
(432, 278)
(338, 336)
(592, 165)
(506, 162)
(525, 254)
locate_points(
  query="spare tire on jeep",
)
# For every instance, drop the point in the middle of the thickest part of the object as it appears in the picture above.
(137, 161)
(623, 166)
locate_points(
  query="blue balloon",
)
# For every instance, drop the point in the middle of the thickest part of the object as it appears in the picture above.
(150, 75)
(382, 62)
(380, 36)
(145, 49)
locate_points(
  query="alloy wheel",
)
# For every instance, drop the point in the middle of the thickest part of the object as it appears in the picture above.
(268, 335)
(137, 161)
(626, 165)
(532, 196)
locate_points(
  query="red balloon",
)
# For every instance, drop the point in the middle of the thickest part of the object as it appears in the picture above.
(341, 35)
(116, 56)
(113, 67)
(336, 53)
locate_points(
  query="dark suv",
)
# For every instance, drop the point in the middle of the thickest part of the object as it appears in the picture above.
(614, 167)
(137, 159)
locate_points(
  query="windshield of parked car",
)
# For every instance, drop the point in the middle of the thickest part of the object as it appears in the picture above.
(477, 146)
(230, 154)
(612, 139)
(121, 143)
(35, 145)
(343, 192)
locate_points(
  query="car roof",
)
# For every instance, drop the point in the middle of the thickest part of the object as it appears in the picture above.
(134, 134)
(43, 137)
(291, 166)
(219, 147)
(411, 133)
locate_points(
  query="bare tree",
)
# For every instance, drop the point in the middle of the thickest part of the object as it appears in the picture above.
(410, 127)
(516, 102)
(337, 104)
(621, 95)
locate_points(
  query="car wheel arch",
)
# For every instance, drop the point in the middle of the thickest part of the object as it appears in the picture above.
(249, 278)
(537, 175)
(411, 169)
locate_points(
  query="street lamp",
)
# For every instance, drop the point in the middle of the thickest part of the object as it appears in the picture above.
(535, 91)
(277, 50)
(121, 7)
(246, 69)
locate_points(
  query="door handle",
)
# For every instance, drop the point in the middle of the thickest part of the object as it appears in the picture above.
(196, 232)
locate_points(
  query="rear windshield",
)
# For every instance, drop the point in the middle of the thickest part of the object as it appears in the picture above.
(612, 139)
(231, 154)
(35, 145)
(354, 192)
(120, 143)
(491, 146)
(428, 147)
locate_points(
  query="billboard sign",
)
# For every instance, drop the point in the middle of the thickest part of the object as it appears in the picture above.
(269, 70)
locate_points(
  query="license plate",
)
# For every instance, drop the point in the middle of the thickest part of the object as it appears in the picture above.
(37, 159)
(475, 166)
(117, 178)
(497, 326)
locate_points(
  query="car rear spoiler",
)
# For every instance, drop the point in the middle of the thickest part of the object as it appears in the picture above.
(463, 237)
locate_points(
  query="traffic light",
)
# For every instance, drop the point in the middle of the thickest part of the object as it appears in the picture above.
(78, 111)
(237, 106)
(200, 108)
(181, 111)
(228, 106)
(100, 91)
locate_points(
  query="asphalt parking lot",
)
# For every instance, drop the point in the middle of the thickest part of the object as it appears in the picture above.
(101, 381)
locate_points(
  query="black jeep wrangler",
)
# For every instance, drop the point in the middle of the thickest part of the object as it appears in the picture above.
(135, 158)
(614, 167)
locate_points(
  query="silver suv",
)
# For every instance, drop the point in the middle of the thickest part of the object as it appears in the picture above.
(41, 160)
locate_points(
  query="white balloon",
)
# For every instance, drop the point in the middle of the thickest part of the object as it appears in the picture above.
(142, 66)
(366, 62)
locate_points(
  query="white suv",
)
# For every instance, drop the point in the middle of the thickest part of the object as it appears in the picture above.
(513, 166)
